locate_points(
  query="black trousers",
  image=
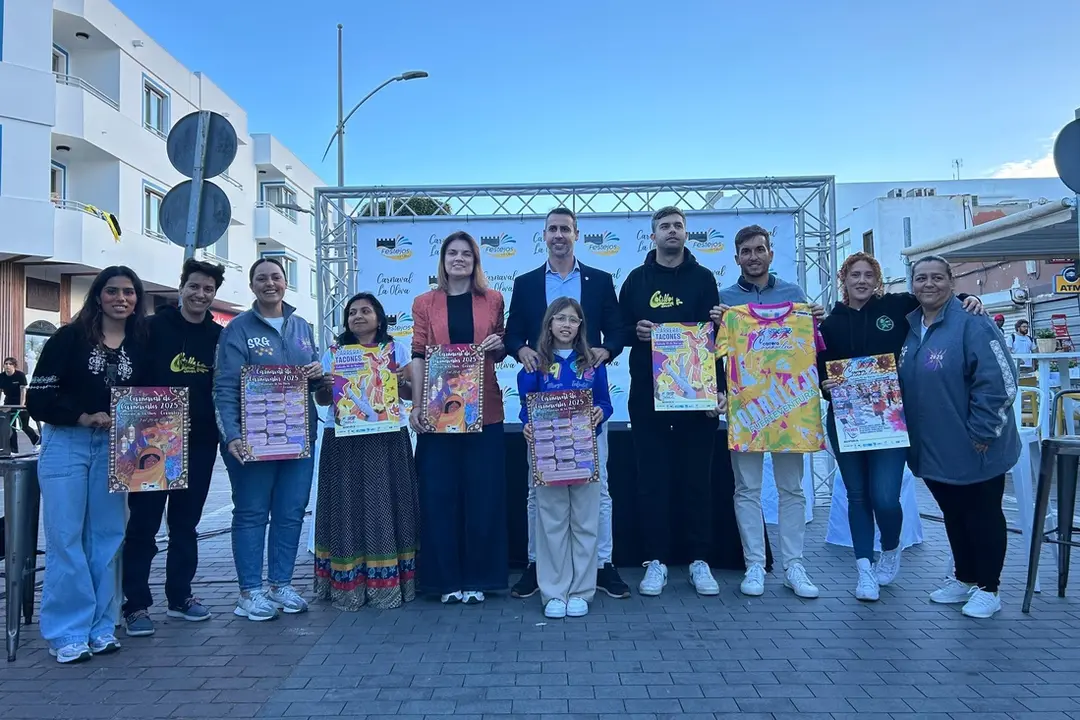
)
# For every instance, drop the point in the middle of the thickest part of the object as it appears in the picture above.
(975, 525)
(185, 511)
(462, 489)
(28, 428)
(674, 460)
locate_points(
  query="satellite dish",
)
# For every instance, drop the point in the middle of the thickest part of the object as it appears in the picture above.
(1067, 155)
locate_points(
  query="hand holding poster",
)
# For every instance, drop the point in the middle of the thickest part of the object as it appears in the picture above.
(274, 412)
(148, 440)
(867, 405)
(453, 394)
(563, 449)
(365, 390)
(684, 366)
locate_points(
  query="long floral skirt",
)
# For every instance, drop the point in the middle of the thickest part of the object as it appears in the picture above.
(366, 531)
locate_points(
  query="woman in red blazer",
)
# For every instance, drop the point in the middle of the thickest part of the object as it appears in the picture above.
(462, 482)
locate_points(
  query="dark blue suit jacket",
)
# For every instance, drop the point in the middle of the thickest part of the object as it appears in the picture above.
(529, 302)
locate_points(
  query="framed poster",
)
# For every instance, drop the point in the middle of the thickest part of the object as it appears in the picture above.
(453, 393)
(563, 450)
(148, 450)
(274, 412)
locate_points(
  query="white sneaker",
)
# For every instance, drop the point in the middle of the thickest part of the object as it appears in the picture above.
(982, 604)
(286, 598)
(577, 607)
(472, 597)
(867, 587)
(73, 653)
(702, 579)
(952, 592)
(451, 598)
(104, 645)
(887, 567)
(655, 578)
(255, 606)
(753, 583)
(797, 579)
(555, 609)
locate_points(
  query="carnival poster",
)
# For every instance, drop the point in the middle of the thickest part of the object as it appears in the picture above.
(867, 405)
(274, 412)
(684, 366)
(148, 449)
(563, 449)
(365, 390)
(453, 393)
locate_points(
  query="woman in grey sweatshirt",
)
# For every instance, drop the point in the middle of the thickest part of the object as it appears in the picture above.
(959, 384)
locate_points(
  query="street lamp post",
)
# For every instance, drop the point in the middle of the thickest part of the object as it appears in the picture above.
(342, 118)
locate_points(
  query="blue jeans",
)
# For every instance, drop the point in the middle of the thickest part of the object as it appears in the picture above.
(873, 479)
(273, 493)
(84, 529)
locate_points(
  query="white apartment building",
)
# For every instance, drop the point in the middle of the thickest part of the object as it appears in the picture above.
(87, 101)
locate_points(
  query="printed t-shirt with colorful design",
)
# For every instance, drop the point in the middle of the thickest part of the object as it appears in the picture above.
(774, 400)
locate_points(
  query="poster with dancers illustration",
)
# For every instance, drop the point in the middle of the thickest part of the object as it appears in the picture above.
(453, 393)
(563, 449)
(274, 412)
(684, 366)
(148, 449)
(866, 404)
(365, 390)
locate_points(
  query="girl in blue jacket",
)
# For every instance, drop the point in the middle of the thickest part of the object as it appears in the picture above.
(567, 515)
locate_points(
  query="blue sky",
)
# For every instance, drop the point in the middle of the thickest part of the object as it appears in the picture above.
(581, 90)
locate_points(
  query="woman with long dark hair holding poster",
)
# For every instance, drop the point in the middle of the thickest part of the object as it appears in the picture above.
(367, 507)
(102, 347)
(459, 448)
(265, 492)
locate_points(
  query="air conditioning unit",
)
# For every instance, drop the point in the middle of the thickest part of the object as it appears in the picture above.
(931, 192)
(896, 192)
(911, 193)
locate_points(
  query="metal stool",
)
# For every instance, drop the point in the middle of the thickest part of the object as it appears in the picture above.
(22, 498)
(1064, 451)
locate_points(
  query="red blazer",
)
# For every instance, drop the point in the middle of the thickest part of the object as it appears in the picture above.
(431, 326)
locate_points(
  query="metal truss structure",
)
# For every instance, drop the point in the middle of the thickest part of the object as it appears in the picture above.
(341, 211)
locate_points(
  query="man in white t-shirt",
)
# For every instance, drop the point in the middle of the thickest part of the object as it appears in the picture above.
(1021, 343)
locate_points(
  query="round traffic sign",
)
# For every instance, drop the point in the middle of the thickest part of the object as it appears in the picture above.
(215, 213)
(221, 145)
(1067, 155)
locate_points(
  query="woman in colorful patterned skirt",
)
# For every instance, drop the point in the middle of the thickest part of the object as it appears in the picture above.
(367, 508)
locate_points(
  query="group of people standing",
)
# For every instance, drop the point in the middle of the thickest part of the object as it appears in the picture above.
(392, 522)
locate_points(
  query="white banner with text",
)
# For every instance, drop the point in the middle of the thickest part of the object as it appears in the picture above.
(397, 259)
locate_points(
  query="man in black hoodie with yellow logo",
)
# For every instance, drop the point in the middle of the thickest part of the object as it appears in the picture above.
(183, 343)
(674, 449)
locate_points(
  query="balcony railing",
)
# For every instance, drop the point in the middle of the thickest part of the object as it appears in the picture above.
(211, 257)
(290, 216)
(65, 204)
(226, 177)
(77, 82)
(155, 131)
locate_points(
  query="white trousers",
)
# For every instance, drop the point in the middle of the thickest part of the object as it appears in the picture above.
(604, 542)
(566, 535)
(787, 472)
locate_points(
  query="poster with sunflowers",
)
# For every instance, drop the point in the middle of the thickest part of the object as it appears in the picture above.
(867, 405)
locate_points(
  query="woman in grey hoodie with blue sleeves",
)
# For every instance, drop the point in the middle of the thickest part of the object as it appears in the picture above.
(959, 385)
(265, 493)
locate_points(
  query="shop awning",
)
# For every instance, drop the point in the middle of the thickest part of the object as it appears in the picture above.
(1045, 232)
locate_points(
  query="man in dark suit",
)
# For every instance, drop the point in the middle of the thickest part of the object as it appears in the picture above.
(563, 276)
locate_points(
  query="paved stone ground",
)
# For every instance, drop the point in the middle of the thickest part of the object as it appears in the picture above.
(775, 656)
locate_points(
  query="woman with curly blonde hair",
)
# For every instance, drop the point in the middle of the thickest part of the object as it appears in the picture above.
(868, 321)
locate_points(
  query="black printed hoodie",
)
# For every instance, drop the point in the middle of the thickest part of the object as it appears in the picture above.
(880, 327)
(182, 355)
(662, 294)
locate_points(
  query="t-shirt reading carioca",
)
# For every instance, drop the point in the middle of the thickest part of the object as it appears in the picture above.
(774, 404)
